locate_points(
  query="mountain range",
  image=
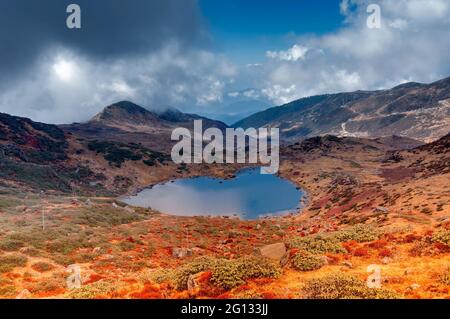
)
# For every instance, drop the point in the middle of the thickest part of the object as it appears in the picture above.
(414, 110)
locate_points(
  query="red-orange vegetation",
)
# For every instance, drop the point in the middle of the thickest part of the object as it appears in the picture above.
(377, 244)
(361, 252)
(411, 238)
(148, 292)
(385, 252)
(94, 278)
(350, 245)
(268, 295)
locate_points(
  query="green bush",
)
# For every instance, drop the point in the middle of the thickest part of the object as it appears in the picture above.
(305, 261)
(158, 276)
(360, 233)
(445, 277)
(6, 203)
(182, 274)
(227, 273)
(317, 244)
(107, 216)
(42, 266)
(126, 246)
(343, 286)
(442, 237)
(64, 245)
(232, 273)
(8, 291)
(8, 263)
(99, 288)
(9, 244)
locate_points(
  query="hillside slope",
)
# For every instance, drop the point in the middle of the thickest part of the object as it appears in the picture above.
(414, 110)
(128, 122)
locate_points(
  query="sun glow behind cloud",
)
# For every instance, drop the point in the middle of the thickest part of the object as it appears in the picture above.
(65, 70)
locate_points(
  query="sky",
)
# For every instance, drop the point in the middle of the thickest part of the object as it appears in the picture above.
(204, 55)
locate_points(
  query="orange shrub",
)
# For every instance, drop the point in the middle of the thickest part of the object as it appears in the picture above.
(386, 252)
(94, 278)
(377, 244)
(411, 238)
(361, 252)
(333, 259)
(269, 295)
(350, 245)
(148, 292)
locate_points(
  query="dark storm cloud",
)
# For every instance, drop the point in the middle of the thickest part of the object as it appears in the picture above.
(110, 29)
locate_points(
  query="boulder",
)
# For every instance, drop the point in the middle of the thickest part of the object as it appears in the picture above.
(129, 209)
(273, 251)
(24, 294)
(181, 252)
(414, 286)
(347, 264)
(192, 283)
(381, 209)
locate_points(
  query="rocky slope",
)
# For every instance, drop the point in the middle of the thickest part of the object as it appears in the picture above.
(128, 122)
(414, 110)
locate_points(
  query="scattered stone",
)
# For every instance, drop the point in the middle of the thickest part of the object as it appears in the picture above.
(108, 257)
(197, 250)
(129, 209)
(96, 250)
(24, 294)
(347, 264)
(285, 259)
(88, 202)
(258, 227)
(386, 260)
(181, 252)
(326, 260)
(114, 205)
(273, 251)
(414, 286)
(193, 284)
(381, 209)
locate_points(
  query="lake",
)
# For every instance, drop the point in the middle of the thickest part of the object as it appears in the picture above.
(249, 195)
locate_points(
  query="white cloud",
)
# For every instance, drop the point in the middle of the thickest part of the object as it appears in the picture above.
(293, 54)
(412, 43)
(398, 24)
(233, 94)
(281, 94)
(252, 94)
(427, 10)
(66, 87)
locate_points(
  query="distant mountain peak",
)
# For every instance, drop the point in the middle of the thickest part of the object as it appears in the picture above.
(125, 111)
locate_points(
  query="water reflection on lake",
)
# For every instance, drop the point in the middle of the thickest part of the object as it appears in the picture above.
(249, 195)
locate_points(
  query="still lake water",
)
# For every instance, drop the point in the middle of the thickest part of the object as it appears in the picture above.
(249, 195)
